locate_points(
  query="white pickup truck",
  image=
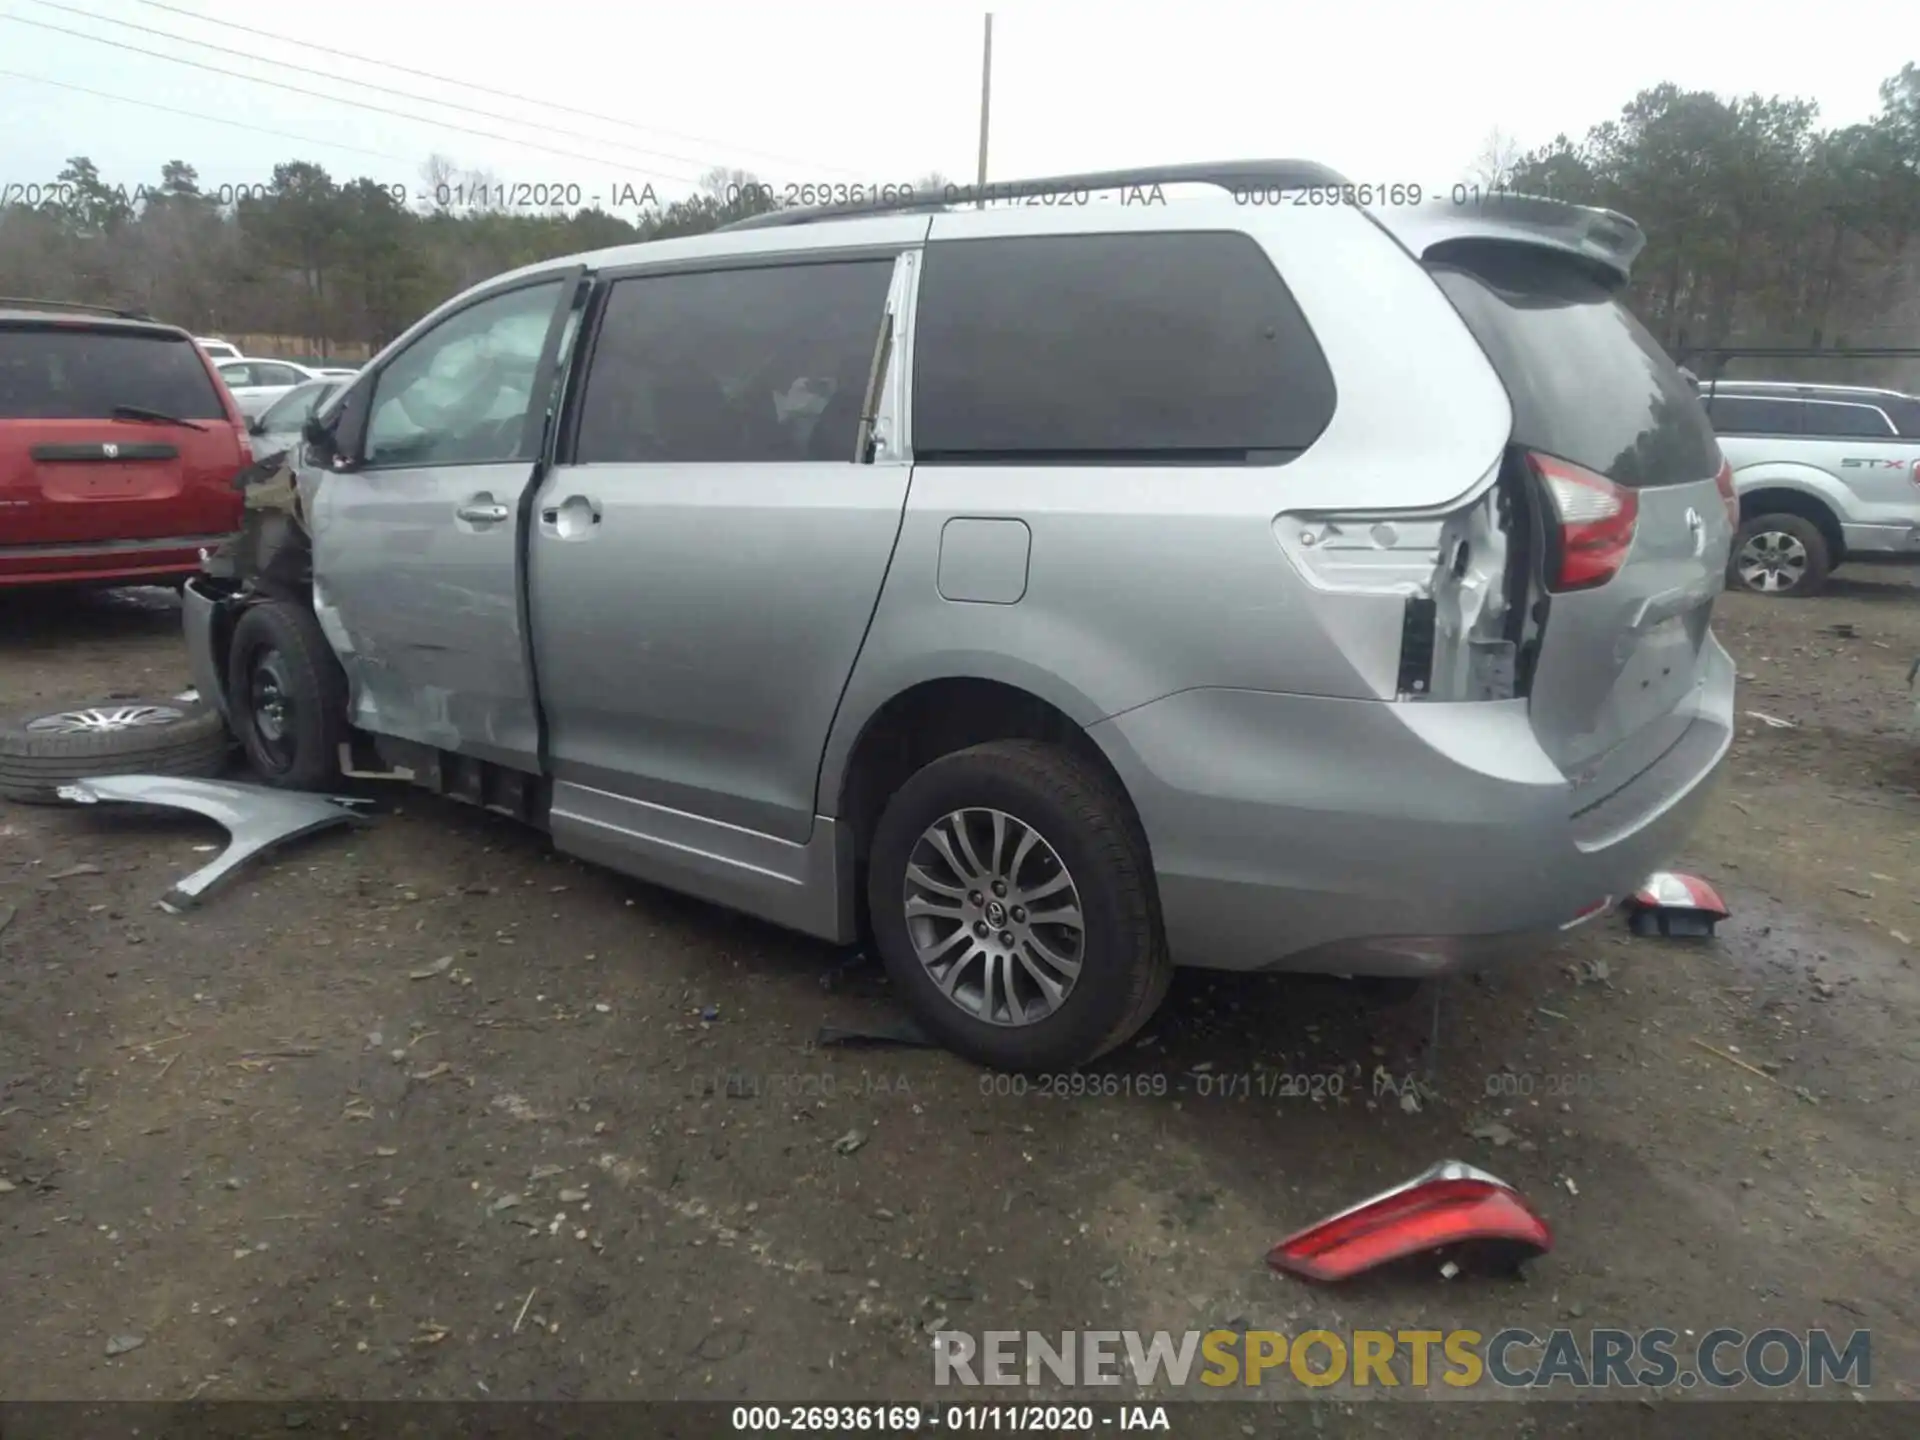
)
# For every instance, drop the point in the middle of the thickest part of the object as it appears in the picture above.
(1825, 473)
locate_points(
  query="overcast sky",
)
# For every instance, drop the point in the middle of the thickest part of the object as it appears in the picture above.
(1389, 92)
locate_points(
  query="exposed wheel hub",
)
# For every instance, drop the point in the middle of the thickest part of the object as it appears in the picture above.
(272, 706)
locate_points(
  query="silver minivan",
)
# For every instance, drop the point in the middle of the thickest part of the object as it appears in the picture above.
(1251, 579)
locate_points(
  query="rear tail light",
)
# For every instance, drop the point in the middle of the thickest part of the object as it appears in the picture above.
(1916, 472)
(1724, 481)
(1446, 1205)
(246, 444)
(1596, 519)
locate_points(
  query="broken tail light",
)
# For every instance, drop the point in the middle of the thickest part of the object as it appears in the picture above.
(1595, 517)
(246, 444)
(1723, 482)
(1672, 903)
(1449, 1204)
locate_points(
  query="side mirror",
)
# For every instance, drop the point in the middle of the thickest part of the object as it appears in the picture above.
(317, 435)
(254, 427)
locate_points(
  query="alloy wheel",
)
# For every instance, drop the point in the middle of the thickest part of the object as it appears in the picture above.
(1771, 562)
(994, 916)
(105, 719)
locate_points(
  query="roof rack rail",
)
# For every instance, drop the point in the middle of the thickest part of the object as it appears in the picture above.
(22, 302)
(1238, 175)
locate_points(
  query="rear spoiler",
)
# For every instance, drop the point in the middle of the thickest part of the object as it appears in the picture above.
(1604, 238)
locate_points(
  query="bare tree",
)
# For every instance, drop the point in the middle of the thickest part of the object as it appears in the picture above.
(1500, 155)
(439, 175)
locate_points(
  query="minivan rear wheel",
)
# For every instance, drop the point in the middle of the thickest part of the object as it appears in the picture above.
(1011, 898)
(1779, 554)
(287, 697)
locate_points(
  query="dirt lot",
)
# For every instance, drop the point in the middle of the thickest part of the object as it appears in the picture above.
(597, 1154)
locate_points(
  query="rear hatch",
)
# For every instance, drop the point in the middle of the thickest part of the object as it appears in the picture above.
(111, 431)
(1629, 499)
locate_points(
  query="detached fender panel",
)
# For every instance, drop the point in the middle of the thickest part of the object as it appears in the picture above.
(257, 818)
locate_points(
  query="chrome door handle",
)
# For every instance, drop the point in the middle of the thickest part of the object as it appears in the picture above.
(482, 513)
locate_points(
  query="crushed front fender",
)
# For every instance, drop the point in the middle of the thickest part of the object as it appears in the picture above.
(257, 819)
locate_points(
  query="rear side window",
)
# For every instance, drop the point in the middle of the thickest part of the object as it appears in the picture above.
(1827, 417)
(72, 373)
(1177, 347)
(1755, 415)
(734, 366)
(1588, 383)
(1906, 416)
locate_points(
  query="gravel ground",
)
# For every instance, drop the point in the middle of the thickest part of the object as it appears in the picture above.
(422, 1111)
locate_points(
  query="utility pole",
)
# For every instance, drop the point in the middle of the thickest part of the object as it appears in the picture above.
(986, 96)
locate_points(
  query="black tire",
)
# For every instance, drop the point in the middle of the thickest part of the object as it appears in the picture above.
(1819, 555)
(44, 749)
(1078, 811)
(287, 696)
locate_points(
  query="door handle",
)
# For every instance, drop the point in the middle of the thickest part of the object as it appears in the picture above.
(573, 518)
(483, 510)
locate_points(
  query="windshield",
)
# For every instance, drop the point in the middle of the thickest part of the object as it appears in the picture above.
(72, 373)
(291, 410)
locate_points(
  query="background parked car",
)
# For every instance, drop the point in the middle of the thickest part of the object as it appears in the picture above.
(118, 448)
(278, 427)
(218, 349)
(1825, 473)
(256, 383)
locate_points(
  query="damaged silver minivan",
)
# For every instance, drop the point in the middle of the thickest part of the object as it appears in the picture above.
(1237, 581)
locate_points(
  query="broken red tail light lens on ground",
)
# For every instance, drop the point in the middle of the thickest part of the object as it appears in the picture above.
(1449, 1204)
(1596, 519)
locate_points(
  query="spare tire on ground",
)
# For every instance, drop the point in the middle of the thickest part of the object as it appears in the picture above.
(44, 749)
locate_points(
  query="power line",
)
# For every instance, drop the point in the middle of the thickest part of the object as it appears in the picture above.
(196, 115)
(383, 89)
(483, 89)
(371, 85)
(286, 88)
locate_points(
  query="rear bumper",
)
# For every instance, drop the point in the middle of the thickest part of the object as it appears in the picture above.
(106, 562)
(1376, 838)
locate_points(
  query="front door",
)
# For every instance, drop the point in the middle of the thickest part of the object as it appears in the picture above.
(415, 549)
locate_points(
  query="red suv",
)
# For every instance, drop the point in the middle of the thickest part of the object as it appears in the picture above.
(118, 448)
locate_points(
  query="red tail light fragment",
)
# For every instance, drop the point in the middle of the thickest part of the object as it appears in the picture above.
(1671, 903)
(1450, 1204)
(1724, 482)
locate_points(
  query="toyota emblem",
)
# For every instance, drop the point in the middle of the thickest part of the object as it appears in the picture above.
(1699, 529)
(110, 450)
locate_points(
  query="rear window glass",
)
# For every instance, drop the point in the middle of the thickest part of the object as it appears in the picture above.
(80, 374)
(1826, 417)
(1588, 383)
(1126, 347)
(1754, 415)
